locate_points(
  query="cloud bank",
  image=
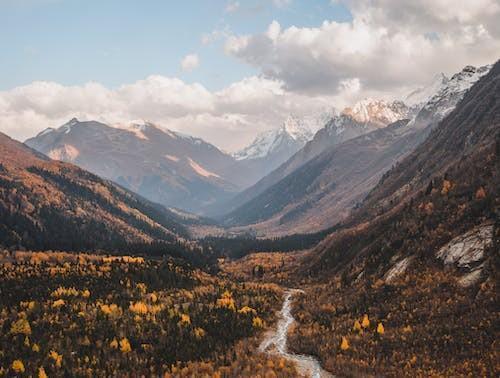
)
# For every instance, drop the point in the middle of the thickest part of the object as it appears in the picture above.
(228, 118)
(386, 50)
(388, 45)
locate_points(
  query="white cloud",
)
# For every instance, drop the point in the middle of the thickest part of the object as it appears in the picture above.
(282, 3)
(386, 50)
(229, 118)
(190, 62)
(389, 45)
(232, 6)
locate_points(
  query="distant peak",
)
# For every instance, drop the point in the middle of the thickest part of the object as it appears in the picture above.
(73, 121)
(294, 127)
(44, 132)
(67, 126)
(379, 112)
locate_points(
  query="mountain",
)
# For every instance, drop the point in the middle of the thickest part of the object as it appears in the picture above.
(47, 204)
(365, 116)
(285, 140)
(268, 150)
(412, 274)
(161, 165)
(441, 202)
(323, 191)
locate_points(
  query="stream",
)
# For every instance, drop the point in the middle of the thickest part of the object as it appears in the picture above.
(275, 342)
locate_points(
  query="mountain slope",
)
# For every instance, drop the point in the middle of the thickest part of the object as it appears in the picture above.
(333, 182)
(446, 187)
(365, 116)
(161, 165)
(415, 268)
(268, 151)
(45, 204)
(291, 136)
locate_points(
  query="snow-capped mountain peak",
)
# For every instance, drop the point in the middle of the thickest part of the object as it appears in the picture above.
(291, 135)
(452, 90)
(296, 129)
(377, 112)
(421, 95)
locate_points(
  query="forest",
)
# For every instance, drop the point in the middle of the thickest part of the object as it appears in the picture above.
(64, 314)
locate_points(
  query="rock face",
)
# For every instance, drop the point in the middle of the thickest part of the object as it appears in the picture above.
(398, 269)
(467, 250)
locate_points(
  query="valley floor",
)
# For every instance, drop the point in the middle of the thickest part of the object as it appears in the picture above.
(94, 315)
(423, 323)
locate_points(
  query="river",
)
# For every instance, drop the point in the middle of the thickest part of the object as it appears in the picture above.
(275, 342)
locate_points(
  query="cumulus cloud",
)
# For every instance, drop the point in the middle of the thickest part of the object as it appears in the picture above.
(281, 3)
(386, 50)
(232, 6)
(389, 45)
(229, 117)
(190, 62)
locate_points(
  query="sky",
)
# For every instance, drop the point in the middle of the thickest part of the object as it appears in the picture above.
(226, 70)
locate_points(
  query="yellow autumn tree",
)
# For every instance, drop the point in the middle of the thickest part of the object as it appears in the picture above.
(18, 366)
(199, 332)
(56, 357)
(380, 329)
(125, 345)
(139, 308)
(21, 326)
(41, 373)
(114, 344)
(257, 322)
(344, 344)
(227, 301)
(185, 320)
(365, 323)
(58, 303)
(357, 327)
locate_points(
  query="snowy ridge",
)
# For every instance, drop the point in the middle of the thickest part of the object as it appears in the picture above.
(293, 131)
(452, 91)
(378, 112)
(420, 96)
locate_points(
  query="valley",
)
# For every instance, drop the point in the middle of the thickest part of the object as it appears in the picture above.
(334, 213)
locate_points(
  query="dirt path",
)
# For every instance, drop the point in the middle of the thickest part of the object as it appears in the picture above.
(275, 342)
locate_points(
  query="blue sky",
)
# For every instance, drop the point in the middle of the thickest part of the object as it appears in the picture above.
(120, 41)
(119, 61)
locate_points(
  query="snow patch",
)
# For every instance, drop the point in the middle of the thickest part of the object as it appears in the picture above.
(292, 129)
(45, 132)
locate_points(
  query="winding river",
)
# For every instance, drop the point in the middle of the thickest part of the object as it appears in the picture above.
(275, 342)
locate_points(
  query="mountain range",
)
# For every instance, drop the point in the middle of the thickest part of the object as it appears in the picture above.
(440, 202)
(287, 180)
(47, 204)
(167, 167)
(321, 183)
